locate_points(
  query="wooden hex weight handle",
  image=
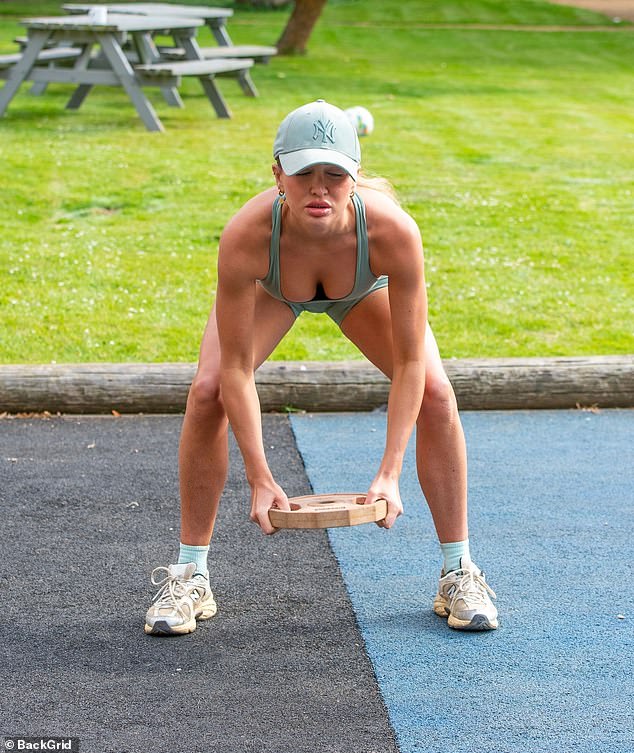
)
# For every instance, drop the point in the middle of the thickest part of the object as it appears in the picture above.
(328, 511)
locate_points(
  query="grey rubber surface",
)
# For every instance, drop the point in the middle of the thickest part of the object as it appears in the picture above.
(89, 506)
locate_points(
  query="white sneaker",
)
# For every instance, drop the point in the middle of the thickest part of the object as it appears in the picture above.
(463, 597)
(182, 599)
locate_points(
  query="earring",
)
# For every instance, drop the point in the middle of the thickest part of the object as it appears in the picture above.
(282, 195)
(352, 194)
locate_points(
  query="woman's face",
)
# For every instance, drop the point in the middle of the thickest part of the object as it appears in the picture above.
(319, 191)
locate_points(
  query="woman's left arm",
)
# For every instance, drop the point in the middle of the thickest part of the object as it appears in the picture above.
(404, 263)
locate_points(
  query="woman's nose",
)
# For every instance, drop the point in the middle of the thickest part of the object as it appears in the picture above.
(318, 186)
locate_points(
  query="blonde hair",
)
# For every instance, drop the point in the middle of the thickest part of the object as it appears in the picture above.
(377, 183)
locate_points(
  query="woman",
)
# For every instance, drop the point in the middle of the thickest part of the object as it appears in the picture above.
(320, 242)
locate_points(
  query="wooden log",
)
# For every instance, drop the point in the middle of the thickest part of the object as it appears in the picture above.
(516, 383)
(318, 386)
(480, 384)
(95, 388)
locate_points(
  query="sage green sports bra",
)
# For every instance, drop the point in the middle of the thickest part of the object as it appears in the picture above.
(364, 280)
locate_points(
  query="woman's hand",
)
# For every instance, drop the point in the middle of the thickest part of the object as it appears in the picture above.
(263, 498)
(387, 489)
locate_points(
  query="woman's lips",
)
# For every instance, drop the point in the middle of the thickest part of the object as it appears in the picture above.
(318, 208)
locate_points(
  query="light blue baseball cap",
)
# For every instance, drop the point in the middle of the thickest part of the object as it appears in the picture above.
(314, 134)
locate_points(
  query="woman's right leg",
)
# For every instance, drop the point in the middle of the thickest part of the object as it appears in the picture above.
(185, 595)
(203, 450)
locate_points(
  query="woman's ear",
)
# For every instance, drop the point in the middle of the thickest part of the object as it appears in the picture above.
(277, 174)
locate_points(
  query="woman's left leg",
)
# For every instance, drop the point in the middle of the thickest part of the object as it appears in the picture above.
(441, 453)
(441, 461)
(441, 457)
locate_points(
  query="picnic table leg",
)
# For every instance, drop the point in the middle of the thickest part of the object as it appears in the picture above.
(39, 87)
(82, 91)
(214, 96)
(123, 70)
(18, 72)
(219, 30)
(148, 53)
(246, 82)
(78, 96)
(193, 52)
(221, 35)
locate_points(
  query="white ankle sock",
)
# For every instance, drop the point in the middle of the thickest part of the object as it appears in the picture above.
(197, 554)
(453, 552)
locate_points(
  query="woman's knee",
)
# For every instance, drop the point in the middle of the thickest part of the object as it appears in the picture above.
(204, 395)
(439, 401)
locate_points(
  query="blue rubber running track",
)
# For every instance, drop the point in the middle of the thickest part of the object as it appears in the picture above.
(551, 499)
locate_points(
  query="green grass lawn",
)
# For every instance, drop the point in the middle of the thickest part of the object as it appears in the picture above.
(513, 149)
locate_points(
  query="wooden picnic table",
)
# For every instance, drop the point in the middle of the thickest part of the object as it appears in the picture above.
(215, 18)
(111, 66)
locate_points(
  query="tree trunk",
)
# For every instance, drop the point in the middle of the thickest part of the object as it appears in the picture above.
(299, 27)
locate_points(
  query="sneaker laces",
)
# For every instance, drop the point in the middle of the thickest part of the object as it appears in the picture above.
(173, 590)
(472, 588)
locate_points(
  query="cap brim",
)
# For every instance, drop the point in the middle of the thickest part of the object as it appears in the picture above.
(294, 162)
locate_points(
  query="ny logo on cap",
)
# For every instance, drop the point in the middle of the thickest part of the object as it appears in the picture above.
(324, 131)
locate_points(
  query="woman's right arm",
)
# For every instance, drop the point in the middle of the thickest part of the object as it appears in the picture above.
(235, 313)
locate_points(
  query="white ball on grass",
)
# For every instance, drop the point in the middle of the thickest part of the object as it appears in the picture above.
(361, 119)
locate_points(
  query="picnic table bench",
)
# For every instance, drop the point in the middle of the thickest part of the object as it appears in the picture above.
(255, 53)
(49, 55)
(169, 74)
(259, 53)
